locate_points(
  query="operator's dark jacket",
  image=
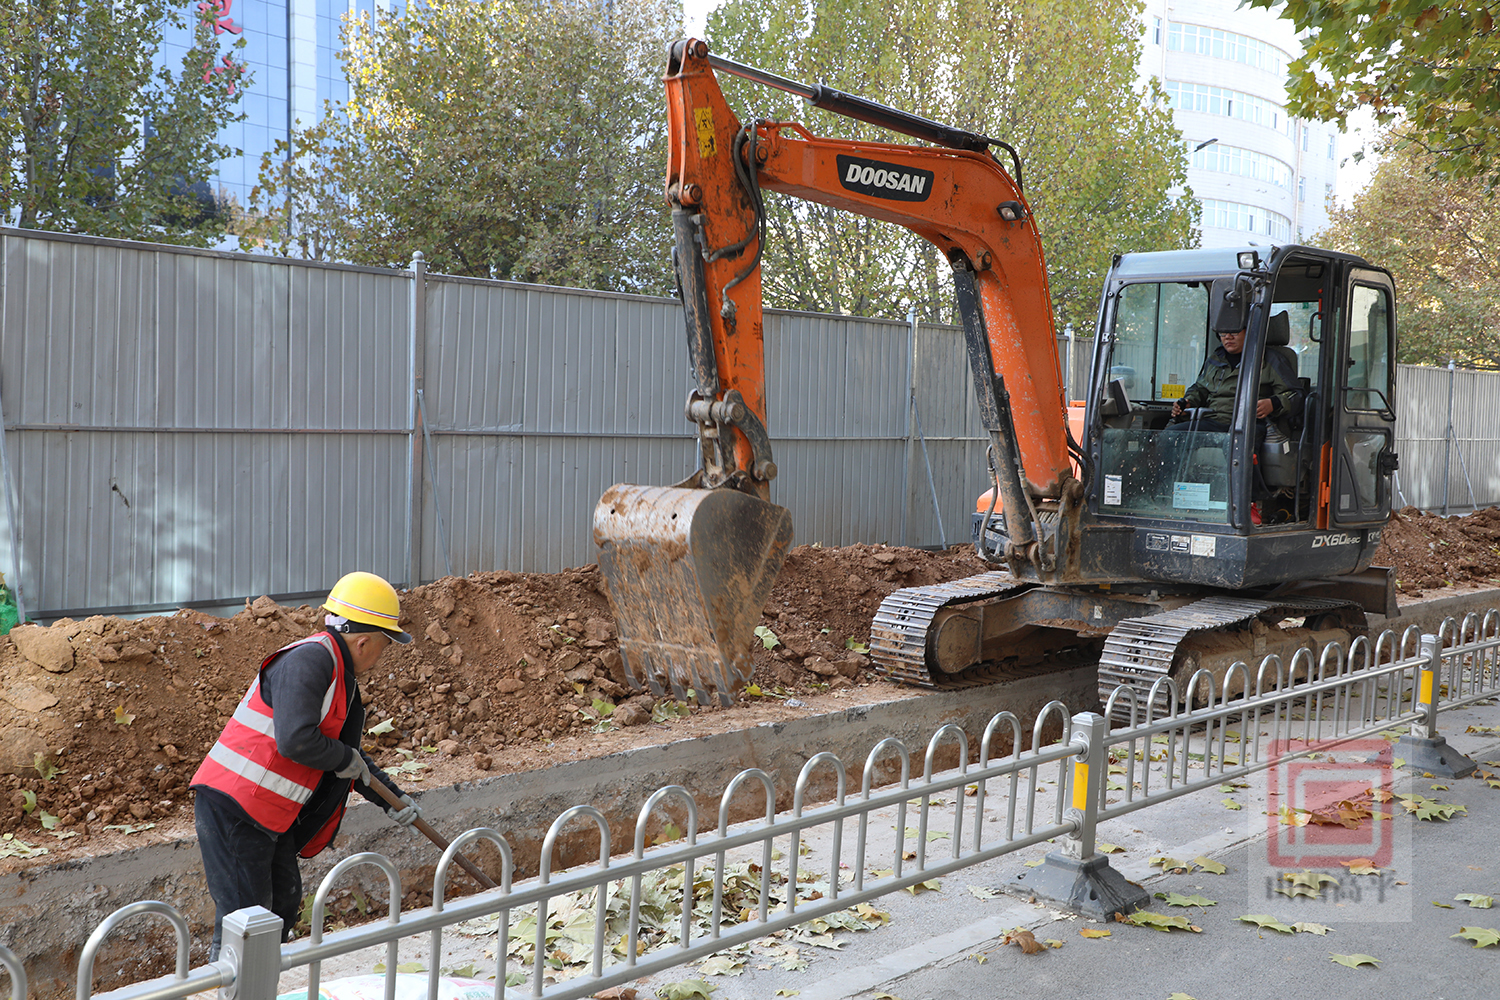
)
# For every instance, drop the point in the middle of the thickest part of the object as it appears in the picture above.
(294, 686)
(1220, 378)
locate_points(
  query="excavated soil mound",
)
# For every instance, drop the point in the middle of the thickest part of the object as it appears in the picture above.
(103, 721)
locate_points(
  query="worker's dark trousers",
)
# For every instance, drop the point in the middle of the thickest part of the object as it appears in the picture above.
(245, 866)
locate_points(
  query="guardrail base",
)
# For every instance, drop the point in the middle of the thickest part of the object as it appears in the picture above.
(1434, 757)
(1090, 888)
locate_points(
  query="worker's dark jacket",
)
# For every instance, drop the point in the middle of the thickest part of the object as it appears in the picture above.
(1219, 380)
(294, 683)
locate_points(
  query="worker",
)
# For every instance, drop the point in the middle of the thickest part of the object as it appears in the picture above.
(1214, 390)
(274, 786)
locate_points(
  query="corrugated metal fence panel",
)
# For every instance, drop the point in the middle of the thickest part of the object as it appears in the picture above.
(954, 437)
(190, 426)
(342, 492)
(539, 400)
(1422, 414)
(836, 413)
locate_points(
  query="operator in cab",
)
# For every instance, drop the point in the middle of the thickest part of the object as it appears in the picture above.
(1215, 389)
(274, 786)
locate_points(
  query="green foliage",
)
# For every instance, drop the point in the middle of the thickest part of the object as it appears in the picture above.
(1428, 67)
(502, 140)
(95, 138)
(1104, 167)
(1440, 238)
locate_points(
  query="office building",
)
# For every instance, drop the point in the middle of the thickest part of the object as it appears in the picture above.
(1261, 175)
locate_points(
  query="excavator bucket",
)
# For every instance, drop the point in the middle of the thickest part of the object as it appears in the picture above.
(687, 572)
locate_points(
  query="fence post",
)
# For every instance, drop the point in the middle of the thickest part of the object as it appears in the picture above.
(416, 346)
(1072, 876)
(1424, 749)
(252, 949)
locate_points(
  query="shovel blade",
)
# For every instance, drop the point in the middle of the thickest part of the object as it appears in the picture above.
(687, 572)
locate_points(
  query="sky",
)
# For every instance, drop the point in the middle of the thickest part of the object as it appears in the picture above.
(1352, 178)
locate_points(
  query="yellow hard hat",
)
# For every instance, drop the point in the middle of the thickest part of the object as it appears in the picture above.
(364, 602)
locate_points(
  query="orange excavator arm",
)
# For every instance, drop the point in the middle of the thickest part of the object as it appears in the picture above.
(688, 568)
(959, 199)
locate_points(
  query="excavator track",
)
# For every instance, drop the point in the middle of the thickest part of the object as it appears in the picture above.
(1138, 651)
(898, 635)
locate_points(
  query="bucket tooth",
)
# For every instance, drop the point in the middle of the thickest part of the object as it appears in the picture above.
(687, 572)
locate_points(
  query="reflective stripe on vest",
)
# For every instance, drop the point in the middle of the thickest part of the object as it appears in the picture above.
(245, 764)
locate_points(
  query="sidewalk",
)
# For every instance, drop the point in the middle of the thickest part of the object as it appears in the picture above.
(950, 946)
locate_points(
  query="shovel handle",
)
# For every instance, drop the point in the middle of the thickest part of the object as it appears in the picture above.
(395, 802)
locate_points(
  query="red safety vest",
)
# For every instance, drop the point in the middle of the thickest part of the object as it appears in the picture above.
(245, 765)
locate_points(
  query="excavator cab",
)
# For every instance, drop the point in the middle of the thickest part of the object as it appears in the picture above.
(1323, 323)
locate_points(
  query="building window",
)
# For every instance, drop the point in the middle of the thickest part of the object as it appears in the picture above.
(1156, 31)
(1246, 218)
(1225, 45)
(1327, 193)
(1301, 188)
(1230, 103)
(1223, 159)
(1330, 146)
(1306, 137)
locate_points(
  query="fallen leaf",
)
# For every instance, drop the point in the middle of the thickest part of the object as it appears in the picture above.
(1360, 866)
(1476, 900)
(1167, 864)
(1025, 940)
(1210, 865)
(1308, 927)
(1355, 961)
(1094, 932)
(1267, 922)
(787, 993)
(1104, 848)
(1445, 906)
(722, 965)
(384, 726)
(1178, 899)
(123, 717)
(1038, 861)
(769, 640)
(980, 958)
(1161, 922)
(982, 892)
(931, 885)
(686, 989)
(1483, 937)
(614, 993)
(1231, 804)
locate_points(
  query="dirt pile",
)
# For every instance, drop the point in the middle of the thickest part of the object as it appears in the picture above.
(103, 721)
(1431, 552)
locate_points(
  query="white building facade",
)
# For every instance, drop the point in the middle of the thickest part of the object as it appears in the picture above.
(1260, 175)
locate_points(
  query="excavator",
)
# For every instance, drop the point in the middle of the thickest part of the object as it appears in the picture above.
(1140, 539)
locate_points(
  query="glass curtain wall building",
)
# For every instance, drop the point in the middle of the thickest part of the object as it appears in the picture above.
(1261, 175)
(291, 51)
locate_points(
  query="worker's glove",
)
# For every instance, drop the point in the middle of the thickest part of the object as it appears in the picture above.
(405, 816)
(356, 768)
